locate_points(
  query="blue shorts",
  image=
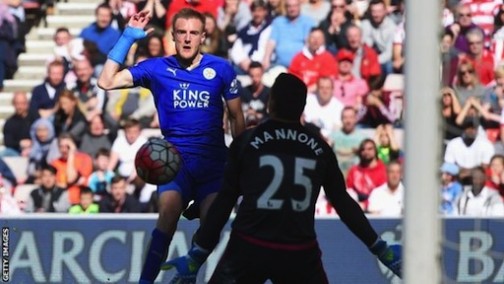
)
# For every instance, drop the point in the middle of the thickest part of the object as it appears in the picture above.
(197, 178)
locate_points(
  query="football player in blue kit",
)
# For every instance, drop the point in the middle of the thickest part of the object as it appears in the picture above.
(188, 88)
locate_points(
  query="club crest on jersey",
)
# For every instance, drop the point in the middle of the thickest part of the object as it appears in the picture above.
(209, 73)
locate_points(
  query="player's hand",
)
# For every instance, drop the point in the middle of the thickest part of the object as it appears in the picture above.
(187, 266)
(389, 255)
(138, 23)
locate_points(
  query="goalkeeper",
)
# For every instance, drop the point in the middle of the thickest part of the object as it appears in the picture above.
(279, 168)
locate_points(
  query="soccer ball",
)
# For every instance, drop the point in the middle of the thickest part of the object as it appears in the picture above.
(157, 161)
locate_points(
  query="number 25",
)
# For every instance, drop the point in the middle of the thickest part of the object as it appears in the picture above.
(265, 201)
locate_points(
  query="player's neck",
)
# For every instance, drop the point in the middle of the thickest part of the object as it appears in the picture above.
(190, 64)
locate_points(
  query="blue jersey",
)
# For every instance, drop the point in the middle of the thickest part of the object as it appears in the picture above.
(189, 102)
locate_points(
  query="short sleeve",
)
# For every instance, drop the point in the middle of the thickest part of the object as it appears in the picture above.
(231, 84)
(142, 73)
(275, 29)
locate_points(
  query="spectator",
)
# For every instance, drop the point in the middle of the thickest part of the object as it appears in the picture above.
(43, 137)
(449, 54)
(322, 108)
(215, 42)
(467, 83)
(495, 174)
(345, 141)
(491, 104)
(49, 197)
(378, 31)
(98, 136)
(469, 150)
(158, 8)
(152, 46)
(100, 180)
(348, 89)
(483, 14)
(368, 174)
(477, 200)
(335, 27)
(8, 204)
(8, 53)
(461, 27)
(7, 178)
(234, 15)
(73, 167)
(313, 61)
(450, 108)
(366, 64)
(251, 42)
(276, 8)
(388, 199)
(17, 126)
(86, 205)
(66, 47)
(255, 97)
(451, 189)
(497, 45)
(44, 98)
(316, 9)
(101, 32)
(398, 50)
(119, 201)
(379, 107)
(288, 35)
(124, 150)
(481, 59)
(387, 144)
(69, 118)
(92, 99)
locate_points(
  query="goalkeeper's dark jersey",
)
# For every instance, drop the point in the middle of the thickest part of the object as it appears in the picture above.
(279, 168)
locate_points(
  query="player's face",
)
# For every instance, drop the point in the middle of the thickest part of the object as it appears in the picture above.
(188, 36)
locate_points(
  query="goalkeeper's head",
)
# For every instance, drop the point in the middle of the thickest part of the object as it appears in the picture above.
(287, 98)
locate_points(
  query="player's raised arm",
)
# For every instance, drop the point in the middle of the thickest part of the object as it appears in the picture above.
(111, 78)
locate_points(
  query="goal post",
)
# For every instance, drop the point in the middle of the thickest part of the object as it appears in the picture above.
(421, 223)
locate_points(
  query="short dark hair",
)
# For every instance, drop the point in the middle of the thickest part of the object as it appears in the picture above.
(255, 64)
(117, 179)
(49, 168)
(259, 4)
(131, 122)
(376, 2)
(62, 30)
(85, 190)
(103, 6)
(287, 97)
(102, 152)
(188, 13)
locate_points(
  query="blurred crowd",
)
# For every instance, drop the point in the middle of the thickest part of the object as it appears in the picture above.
(80, 141)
